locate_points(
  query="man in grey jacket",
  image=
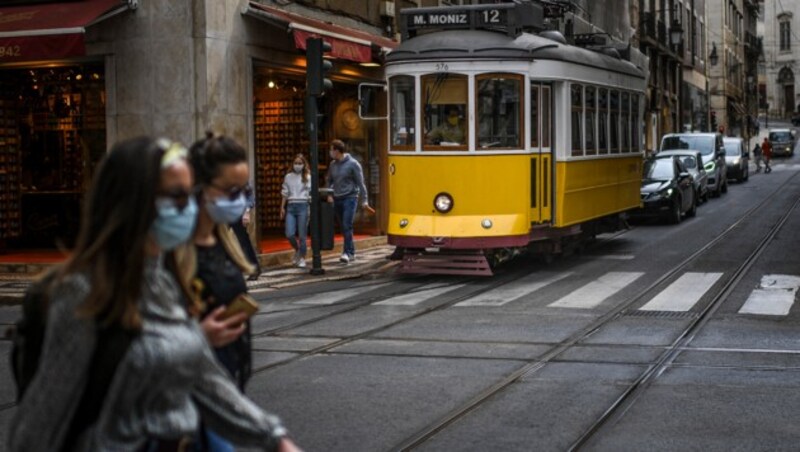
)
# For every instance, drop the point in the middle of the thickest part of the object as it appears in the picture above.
(346, 178)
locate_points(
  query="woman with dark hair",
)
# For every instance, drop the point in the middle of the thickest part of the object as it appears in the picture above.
(295, 199)
(114, 283)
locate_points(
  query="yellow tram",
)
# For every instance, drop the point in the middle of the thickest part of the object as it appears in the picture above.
(503, 138)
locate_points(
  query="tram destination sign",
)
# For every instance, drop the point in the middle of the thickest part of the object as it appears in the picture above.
(509, 17)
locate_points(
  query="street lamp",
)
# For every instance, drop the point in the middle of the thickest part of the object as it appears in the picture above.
(713, 58)
(675, 32)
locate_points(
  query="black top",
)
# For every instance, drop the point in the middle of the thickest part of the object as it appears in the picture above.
(222, 282)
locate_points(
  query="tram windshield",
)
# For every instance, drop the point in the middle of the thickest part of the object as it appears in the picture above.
(403, 112)
(499, 111)
(444, 111)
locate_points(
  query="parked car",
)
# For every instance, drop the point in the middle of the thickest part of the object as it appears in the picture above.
(693, 161)
(782, 141)
(737, 159)
(667, 190)
(713, 152)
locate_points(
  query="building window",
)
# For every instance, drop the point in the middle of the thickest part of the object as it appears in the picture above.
(499, 105)
(786, 35)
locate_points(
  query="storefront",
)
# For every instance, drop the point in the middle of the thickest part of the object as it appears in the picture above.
(52, 120)
(279, 128)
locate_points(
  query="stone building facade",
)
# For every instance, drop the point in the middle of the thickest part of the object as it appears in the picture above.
(781, 24)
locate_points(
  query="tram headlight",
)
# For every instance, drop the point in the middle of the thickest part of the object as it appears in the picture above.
(486, 223)
(443, 202)
(403, 223)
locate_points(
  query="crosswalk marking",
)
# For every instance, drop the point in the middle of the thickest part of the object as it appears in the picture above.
(594, 293)
(683, 293)
(424, 293)
(774, 295)
(515, 290)
(327, 298)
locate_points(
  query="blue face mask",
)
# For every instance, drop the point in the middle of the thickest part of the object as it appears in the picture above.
(173, 226)
(226, 211)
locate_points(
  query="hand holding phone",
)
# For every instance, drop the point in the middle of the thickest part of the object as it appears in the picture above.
(242, 303)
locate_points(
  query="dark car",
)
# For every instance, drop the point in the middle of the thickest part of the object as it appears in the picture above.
(693, 161)
(782, 141)
(667, 190)
(713, 151)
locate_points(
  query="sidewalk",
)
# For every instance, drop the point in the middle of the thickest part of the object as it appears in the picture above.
(277, 270)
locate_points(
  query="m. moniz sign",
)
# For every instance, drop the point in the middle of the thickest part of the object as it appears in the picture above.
(512, 18)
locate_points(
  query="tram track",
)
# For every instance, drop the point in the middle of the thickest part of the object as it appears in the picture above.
(643, 381)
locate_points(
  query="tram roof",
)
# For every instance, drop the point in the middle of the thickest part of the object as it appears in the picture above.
(488, 45)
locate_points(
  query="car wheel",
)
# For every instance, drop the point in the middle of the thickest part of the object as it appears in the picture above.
(675, 213)
(693, 209)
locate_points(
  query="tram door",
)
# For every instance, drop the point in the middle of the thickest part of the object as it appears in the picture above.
(541, 155)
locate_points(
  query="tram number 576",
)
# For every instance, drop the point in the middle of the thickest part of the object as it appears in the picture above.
(442, 67)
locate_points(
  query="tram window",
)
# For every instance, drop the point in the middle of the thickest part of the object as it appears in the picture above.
(591, 114)
(535, 115)
(602, 120)
(545, 104)
(635, 127)
(499, 111)
(444, 108)
(625, 137)
(576, 100)
(403, 112)
(614, 122)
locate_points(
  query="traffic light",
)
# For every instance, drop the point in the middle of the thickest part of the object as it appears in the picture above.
(317, 67)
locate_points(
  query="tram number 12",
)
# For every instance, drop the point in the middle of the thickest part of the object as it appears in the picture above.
(491, 16)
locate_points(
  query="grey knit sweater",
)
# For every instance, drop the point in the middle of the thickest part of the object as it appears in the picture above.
(166, 382)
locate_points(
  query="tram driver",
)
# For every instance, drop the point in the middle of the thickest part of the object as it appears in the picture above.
(450, 132)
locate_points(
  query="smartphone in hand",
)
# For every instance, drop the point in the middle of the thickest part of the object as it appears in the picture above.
(242, 303)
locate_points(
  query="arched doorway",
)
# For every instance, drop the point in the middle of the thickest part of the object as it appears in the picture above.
(786, 84)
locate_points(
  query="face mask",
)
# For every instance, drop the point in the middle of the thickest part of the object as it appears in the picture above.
(298, 168)
(173, 226)
(225, 211)
(453, 120)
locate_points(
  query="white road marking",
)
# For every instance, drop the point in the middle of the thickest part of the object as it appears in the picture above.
(683, 293)
(338, 295)
(597, 291)
(774, 296)
(424, 293)
(616, 257)
(515, 290)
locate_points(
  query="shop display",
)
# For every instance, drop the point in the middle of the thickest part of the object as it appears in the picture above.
(10, 160)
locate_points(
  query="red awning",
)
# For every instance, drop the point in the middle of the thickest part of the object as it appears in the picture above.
(51, 30)
(346, 43)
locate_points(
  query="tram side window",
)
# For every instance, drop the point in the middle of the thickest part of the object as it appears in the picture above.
(499, 111)
(535, 115)
(614, 122)
(545, 108)
(403, 111)
(591, 115)
(625, 137)
(444, 106)
(602, 120)
(576, 100)
(635, 124)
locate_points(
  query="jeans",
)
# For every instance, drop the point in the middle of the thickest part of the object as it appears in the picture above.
(345, 209)
(297, 224)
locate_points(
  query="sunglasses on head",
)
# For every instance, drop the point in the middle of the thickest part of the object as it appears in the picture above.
(177, 197)
(234, 192)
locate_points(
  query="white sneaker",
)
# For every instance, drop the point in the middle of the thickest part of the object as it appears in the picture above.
(344, 259)
(301, 263)
(295, 258)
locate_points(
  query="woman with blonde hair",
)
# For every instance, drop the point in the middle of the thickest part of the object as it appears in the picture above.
(295, 199)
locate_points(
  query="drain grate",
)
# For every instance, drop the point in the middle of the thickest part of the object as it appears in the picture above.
(663, 314)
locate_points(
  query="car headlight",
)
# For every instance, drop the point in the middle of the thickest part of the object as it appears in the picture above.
(443, 202)
(709, 166)
(737, 161)
(788, 149)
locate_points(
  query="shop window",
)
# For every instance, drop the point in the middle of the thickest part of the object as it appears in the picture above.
(624, 123)
(576, 101)
(535, 115)
(590, 116)
(403, 112)
(635, 124)
(614, 122)
(602, 120)
(545, 109)
(499, 111)
(444, 97)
